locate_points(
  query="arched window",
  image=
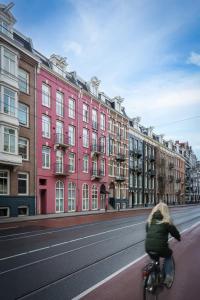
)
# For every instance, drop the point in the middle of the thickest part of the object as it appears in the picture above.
(85, 197)
(59, 196)
(94, 197)
(71, 196)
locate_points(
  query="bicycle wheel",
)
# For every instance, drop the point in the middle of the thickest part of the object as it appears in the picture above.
(169, 284)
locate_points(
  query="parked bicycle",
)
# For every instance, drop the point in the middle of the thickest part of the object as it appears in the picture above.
(154, 278)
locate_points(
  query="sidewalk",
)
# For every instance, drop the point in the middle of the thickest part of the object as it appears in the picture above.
(70, 214)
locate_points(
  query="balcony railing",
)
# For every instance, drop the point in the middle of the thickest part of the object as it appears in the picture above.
(152, 173)
(96, 174)
(61, 140)
(152, 158)
(120, 177)
(120, 157)
(61, 169)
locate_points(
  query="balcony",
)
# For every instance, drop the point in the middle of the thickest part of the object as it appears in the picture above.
(120, 157)
(96, 149)
(96, 174)
(120, 178)
(61, 141)
(61, 169)
(139, 170)
(171, 165)
(139, 152)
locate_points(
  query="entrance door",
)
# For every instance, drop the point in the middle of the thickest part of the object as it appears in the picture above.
(103, 202)
(43, 201)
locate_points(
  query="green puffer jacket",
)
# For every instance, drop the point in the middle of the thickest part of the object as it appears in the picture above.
(157, 235)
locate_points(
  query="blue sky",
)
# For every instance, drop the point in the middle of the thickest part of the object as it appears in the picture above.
(146, 51)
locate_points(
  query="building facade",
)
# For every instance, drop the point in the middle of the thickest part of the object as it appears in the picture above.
(72, 131)
(17, 119)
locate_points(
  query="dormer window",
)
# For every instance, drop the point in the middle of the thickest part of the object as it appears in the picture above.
(4, 28)
(6, 19)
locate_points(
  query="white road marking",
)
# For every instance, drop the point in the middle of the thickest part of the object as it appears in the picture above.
(6, 228)
(92, 288)
(67, 242)
(53, 256)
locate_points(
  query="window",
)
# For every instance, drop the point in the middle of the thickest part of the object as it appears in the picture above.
(9, 102)
(71, 108)
(94, 119)
(59, 162)
(112, 168)
(22, 211)
(85, 113)
(4, 28)
(9, 62)
(71, 196)
(22, 183)
(59, 132)
(4, 182)
(111, 148)
(10, 140)
(23, 81)
(85, 163)
(103, 122)
(23, 114)
(23, 148)
(85, 137)
(59, 104)
(4, 212)
(94, 141)
(71, 135)
(46, 126)
(85, 196)
(103, 144)
(45, 95)
(94, 197)
(94, 167)
(72, 162)
(102, 167)
(59, 196)
(45, 157)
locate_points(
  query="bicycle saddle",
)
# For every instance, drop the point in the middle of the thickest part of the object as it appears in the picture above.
(154, 255)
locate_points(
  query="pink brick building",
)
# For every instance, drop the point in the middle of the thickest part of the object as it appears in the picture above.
(72, 137)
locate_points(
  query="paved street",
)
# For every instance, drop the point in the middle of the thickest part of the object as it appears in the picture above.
(43, 261)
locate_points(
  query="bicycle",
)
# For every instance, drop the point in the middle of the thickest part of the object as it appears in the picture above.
(153, 277)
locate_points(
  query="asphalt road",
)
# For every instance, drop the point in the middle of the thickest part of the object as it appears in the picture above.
(60, 263)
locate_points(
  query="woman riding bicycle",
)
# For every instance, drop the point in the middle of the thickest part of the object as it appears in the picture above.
(158, 227)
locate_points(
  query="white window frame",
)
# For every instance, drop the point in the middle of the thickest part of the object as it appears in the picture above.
(23, 206)
(27, 182)
(8, 181)
(72, 159)
(60, 199)
(103, 121)
(10, 61)
(72, 108)
(85, 113)
(27, 147)
(85, 163)
(59, 104)
(46, 126)
(12, 102)
(85, 138)
(94, 197)
(15, 139)
(24, 111)
(102, 166)
(71, 135)
(46, 95)
(71, 196)
(59, 161)
(85, 196)
(23, 81)
(94, 119)
(59, 132)
(46, 154)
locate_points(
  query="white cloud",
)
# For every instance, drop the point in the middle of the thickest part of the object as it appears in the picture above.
(194, 59)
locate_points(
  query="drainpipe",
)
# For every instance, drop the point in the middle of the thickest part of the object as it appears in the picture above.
(35, 137)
